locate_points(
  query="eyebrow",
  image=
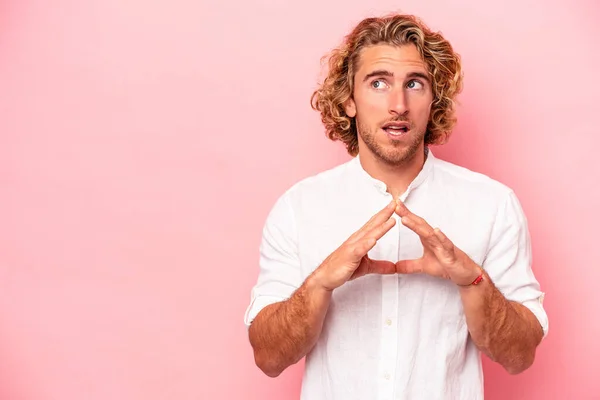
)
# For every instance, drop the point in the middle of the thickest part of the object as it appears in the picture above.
(379, 72)
(383, 72)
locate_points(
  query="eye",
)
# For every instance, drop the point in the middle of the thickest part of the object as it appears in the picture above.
(415, 84)
(378, 84)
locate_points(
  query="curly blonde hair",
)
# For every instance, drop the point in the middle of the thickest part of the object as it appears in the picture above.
(443, 64)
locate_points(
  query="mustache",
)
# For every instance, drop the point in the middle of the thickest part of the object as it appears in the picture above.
(398, 119)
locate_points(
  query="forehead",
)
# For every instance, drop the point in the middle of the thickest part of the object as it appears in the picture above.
(390, 57)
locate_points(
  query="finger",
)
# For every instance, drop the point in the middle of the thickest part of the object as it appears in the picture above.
(362, 247)
(377, 219)
(447, 247)
(379, 266)
(366, 243)
(409, 266)
(425, 232)
(446, 243)
(378, 231)
(403, 211)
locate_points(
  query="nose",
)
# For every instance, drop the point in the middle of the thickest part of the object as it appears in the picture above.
(398, 102)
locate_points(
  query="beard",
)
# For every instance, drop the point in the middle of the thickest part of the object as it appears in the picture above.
(395, 154)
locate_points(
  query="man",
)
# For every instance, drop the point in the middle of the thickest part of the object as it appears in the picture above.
(393, 271)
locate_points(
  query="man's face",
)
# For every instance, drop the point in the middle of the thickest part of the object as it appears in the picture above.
(391, 102)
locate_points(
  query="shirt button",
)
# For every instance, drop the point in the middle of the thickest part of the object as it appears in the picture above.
(388, 322)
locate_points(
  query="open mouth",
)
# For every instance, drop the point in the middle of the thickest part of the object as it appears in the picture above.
(396, 128)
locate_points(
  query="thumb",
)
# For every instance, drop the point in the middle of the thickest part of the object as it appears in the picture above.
(380, 266)
(409, 266)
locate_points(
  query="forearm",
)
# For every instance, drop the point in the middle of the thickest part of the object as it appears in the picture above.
(507, 332)
(284, 332)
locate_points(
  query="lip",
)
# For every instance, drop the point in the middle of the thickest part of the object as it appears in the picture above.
(400, 129)
(395, 136)
(397, 125)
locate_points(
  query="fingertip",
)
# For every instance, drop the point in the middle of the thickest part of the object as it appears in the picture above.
(400, 208)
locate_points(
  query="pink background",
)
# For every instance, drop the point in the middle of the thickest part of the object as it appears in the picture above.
(143, 143)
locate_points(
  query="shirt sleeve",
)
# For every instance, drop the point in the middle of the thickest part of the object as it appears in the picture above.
(279, 265)
(508, 261)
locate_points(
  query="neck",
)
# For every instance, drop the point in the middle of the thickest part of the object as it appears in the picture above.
(396, 177)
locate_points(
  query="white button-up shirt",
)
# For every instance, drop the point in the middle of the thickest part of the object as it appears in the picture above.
(395, 336)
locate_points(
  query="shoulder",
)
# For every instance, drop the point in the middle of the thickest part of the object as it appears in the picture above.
(459, 179)
(319, 184)
(310, 189)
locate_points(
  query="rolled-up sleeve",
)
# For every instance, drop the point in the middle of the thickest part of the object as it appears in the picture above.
(509, 260)
(279, 266)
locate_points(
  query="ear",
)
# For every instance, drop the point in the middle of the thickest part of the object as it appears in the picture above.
(350, 107)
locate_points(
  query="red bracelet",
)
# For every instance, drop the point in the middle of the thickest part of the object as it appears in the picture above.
(478, 279)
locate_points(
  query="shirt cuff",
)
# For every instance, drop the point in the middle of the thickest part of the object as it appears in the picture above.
(535, 306)
(256, 305)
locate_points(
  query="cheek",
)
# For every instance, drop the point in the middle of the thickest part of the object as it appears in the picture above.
(421, 108)
(372, 107)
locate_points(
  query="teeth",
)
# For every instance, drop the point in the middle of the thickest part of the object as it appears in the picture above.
(395, 129)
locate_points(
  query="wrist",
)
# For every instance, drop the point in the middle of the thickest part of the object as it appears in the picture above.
(473, 275)
(472, 278)
(316, 282)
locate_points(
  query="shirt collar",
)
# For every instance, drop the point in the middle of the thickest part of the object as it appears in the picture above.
(381, 186)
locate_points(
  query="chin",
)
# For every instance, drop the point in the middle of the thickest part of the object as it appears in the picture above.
(393, 152)
(398, 156)
(393, 159)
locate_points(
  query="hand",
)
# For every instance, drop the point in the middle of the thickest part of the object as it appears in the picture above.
(350, 260)
(440, 257)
